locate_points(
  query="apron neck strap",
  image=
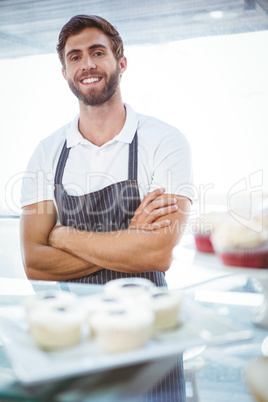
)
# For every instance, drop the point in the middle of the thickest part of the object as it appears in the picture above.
(133, 159)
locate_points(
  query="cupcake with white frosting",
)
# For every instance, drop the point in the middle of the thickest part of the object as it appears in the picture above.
(261, 220)
(165, 305)
(240, 245)
(204, 226)
(122, 329)
(127, 287)
(54, 327)
(99, 303)
(256, 374)
(49, 298)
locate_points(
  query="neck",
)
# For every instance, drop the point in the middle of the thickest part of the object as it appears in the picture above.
(99, 124)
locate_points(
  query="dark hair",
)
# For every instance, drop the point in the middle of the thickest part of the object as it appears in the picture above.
(79, 22)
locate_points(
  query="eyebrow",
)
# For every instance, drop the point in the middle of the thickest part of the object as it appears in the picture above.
(96, 46)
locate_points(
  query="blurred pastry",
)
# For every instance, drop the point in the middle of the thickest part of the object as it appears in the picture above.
(166, 306)
(256, 374)
(55, 327)
(119, 330)
(127, 287)
(203, 227)
(99, 303)
(52, 298)
(239, 245)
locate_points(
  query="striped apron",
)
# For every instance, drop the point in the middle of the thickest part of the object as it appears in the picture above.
(110, 209)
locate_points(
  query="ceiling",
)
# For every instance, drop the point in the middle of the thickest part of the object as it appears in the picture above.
(29, 27)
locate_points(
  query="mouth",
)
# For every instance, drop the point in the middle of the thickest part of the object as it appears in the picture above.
(90, 80)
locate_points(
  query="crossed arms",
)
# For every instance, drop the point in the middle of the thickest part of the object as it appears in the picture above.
(55, 252)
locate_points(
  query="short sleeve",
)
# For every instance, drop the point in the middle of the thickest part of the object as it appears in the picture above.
(173, 166)
(38, 180)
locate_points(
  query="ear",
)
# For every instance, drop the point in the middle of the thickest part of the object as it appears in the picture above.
(63, 73)
(122, 65)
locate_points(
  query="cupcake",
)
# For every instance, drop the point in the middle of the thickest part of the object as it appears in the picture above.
(204, 226)
(240, 245)
(54, 327)
(261, 220)
(122, 329)
(127, 287)
(256, 374)
(51, 298)
(165, 305)
(99, 303)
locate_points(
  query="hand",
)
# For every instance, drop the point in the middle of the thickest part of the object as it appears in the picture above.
(151, 209)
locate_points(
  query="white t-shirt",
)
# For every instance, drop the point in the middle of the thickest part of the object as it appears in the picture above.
(164, 160)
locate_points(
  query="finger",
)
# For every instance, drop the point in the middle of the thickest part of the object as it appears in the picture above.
(163, 202)
(156, 207)
(155, 225)
(151, 197)
(156, 204)
(161, 224)
(163, 211)
(149, 216)
(157, 213)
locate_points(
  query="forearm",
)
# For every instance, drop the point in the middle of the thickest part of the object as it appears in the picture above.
(131, 250)
(40, 260)
(125, 251)
(47, 263)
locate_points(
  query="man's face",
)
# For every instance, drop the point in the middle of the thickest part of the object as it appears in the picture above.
(92, 72)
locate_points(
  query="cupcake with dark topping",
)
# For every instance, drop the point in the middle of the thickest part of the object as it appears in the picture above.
(165, 305)
(56, 327)
(102, 302)
(50, 298)
(122, 329)
(128, 287)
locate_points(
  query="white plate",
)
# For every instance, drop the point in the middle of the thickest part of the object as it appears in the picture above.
(32, 365)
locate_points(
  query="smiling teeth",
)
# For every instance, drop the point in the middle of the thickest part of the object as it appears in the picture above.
(90, 80)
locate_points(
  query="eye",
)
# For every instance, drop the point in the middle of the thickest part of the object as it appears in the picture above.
(98, 53)
(74, 58)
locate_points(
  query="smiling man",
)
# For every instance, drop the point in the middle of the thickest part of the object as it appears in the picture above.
(107, 195)
(101, 166)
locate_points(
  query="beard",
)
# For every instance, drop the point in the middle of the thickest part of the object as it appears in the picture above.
(96, 97)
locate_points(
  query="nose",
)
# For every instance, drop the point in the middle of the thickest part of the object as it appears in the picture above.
(87, 63)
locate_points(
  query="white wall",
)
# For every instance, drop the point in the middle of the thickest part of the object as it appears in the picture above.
(215, 90)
